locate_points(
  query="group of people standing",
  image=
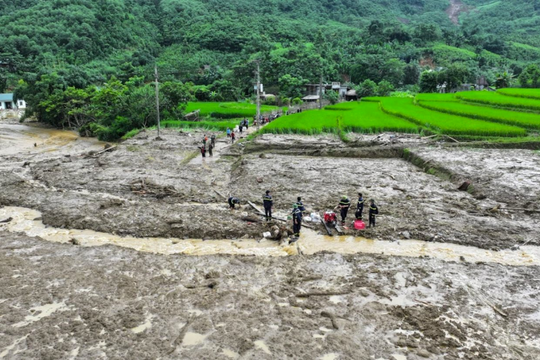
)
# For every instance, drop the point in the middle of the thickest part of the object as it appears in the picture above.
(345, 204)
(208, 147)
(299, 209)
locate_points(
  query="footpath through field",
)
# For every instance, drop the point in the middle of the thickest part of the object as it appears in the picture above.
(222, 144)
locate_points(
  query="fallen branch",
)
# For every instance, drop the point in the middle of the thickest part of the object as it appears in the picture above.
(96, 154)
(451, 138)
(522, 209)
(496, 309)
(6, 220)
(220, 194)
(317, 293)
(423, 302)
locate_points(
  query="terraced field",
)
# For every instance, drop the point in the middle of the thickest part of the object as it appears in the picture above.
(522, 93)
(508, 113)
(360, 117)
(499, 100)
(526, 120)
(446, 123)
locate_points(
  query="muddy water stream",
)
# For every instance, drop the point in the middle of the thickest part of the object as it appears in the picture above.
(29, 222)
(21, 138)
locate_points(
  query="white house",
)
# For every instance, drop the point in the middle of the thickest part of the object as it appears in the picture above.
(7, 103)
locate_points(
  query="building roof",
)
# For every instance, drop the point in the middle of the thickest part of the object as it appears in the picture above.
(6, 97)
(310, 97)
(351, 92)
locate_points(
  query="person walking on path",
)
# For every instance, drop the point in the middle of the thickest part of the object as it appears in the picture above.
(213, 140)
(233, 137)
(210, 149)
(297, 222)
(268, 203)
(359, 207)
(228, 132)
(203, 151)
(344, 206)
(373, 210)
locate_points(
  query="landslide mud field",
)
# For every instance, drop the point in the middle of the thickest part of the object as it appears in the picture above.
(137, 296)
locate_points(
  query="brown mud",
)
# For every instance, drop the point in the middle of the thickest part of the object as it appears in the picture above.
(59, 301)
(68, 301)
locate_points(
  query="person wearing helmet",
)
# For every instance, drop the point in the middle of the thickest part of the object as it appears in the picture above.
(359, 207)
(268, 203)
(344, 206)
(297, 221)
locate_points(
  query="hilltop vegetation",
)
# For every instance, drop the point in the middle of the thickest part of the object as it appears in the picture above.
(206, 48)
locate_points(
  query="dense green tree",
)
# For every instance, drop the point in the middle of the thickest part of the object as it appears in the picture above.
(67, 51)
(411, 74)
(428, 82)
(367, 88)
(384, 88)
(530, 77)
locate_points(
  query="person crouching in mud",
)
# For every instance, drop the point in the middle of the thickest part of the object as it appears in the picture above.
(232, 202)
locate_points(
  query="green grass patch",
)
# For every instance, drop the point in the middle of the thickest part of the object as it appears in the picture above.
(436, 97)
(131, 134)
(229, 110)
(368, 117)
(360, 117)
(528, 120)
(495, 99)
(521, 93)
(446, 123)
(208, 125)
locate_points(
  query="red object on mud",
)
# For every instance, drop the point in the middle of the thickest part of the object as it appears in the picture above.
(330, 217)
(359, 225)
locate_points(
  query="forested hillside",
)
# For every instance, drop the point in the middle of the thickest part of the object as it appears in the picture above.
(205, 48)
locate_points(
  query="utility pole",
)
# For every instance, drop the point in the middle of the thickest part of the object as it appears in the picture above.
(157, 100)
(320, 93)
(258, 94)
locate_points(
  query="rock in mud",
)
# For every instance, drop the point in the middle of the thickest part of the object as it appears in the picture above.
(464, 186)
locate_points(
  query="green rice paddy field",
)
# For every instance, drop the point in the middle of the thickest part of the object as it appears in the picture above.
(507, 113)
(229, 110)
(468, 115)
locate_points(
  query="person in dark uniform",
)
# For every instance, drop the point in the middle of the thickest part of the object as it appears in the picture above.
(203, 151)
(359, 207)
(300, 205)
(297, 221)
(232, 202)
(373, 210)
(210, 149)
(268, 203)
(344, 205)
